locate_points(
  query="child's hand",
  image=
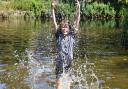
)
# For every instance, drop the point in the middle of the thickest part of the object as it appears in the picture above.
(53, 3)
(77, 3)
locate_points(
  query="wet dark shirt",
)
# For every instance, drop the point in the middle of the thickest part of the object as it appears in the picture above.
(65, 45)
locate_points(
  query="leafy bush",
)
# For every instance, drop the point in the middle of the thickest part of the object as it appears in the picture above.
(39, 6)
(125, 20)
(123, 12)
(99, 9)
(36, 6)
(65, 9)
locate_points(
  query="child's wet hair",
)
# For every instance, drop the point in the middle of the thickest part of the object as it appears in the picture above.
(64, 23)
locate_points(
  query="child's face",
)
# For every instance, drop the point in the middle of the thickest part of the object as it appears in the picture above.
(65, 30)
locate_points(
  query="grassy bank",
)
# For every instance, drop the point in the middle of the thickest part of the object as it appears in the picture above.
(41, 8)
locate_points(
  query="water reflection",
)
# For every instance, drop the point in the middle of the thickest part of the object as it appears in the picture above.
(103, 39)
(125, 34)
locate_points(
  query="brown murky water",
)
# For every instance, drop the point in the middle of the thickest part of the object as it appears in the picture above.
(27, 53)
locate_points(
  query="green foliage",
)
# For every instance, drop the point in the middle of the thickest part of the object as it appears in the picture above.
(123, 12)
(125, 20)
(39, 6)
(99, 9)
(65, 9)
(36, 6)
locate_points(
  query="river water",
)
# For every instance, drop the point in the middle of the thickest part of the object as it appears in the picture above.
(28, 50)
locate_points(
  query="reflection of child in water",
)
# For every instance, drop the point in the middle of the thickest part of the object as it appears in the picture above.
(64, 34)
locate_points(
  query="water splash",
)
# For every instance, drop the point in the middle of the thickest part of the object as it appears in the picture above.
(41, 73)
(82, 76)
(2, 86)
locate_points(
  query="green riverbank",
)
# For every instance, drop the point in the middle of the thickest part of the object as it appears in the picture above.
(41, 9)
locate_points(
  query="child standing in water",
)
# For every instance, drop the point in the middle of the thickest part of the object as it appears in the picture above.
(64, 34)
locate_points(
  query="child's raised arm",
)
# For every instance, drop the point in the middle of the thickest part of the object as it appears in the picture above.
(53, 5)
(77, 15)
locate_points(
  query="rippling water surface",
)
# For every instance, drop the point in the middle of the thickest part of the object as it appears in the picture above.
(28, 50)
